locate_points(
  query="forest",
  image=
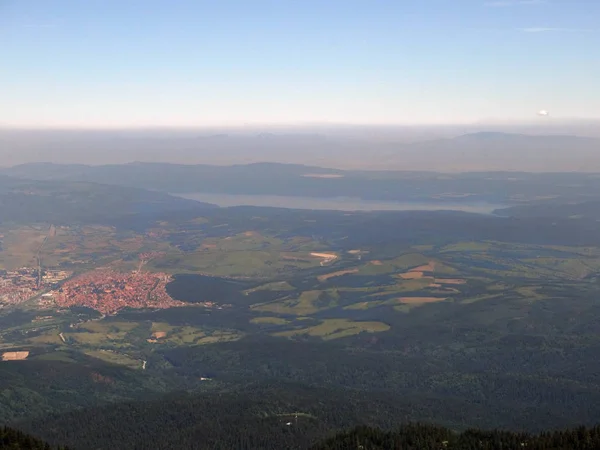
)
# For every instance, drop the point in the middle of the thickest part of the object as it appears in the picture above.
(296, 326)
(17, 440)
(269, 419)
(423, 437)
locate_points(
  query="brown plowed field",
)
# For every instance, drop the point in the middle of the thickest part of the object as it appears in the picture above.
(451, 281)
(14, 356)
(339, 273)
(412, 275)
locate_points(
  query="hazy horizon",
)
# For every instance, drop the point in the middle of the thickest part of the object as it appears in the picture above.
(353, 84)
(572, 146)
(544, 125)
(201, 63)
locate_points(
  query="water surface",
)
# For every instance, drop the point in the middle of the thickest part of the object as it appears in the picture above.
(337, 203)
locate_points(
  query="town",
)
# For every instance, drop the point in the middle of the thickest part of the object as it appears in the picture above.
(104, 290)
(108, 291)
(17, 286)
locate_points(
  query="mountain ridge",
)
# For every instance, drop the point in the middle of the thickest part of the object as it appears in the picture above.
(479, 151)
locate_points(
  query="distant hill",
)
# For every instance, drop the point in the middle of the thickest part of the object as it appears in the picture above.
(153, 174)
(69, 202)
(572, 210)
(374, 150)
(268, 178)
(496, 151)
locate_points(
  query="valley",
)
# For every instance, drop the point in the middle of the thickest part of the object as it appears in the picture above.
(299, 225)
(449, 317)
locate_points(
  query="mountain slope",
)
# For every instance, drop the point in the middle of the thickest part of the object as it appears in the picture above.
(280, 416)
(494, 151)
(311, 181)
(507, 151)
(15, 439)
(253, 418)
(424, 437)
(67, 202)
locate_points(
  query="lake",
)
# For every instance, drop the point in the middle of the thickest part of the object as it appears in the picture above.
(337, 203)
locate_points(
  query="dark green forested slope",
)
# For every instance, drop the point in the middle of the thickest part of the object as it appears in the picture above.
(15, 439)
(253, 418)
(286, 416)
(239, 425)
(27, 201)
(423, 437)
(39, 387)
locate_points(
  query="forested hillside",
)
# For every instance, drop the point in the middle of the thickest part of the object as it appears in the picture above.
(269, 420)
(423, 437)
(11, 439)
(268, 415)
(288, 416)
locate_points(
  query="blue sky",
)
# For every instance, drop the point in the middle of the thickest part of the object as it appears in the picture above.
(219, 62)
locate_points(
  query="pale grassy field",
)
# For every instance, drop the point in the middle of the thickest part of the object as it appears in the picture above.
(330, 329)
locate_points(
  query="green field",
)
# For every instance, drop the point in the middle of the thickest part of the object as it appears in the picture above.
(55, 356)
(309, 302)
(115, 358)
(269, 321)
(336, 328)
(467, 247)
(363, 305)
(274, 286)
(293, 293)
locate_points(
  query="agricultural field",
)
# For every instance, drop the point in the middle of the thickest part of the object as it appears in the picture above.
(308, 302)
(113, 357)
(330, 329)
(245, 281)
(277, 286)
(269, 320)
(445, 306)
(243, 255)
(20, 246)
(120, 342)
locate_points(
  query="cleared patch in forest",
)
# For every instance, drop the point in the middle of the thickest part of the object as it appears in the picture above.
(419, 300)
(15, 356)
(309, 302)
(412, 275)
(269, 320)
(339, 273)
(115, 358)
(330, 329)
(450, 281)
(274, 286)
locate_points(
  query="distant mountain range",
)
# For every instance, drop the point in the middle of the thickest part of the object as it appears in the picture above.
(481, 151)
(500, 188)
(69, 202)
(503, 151)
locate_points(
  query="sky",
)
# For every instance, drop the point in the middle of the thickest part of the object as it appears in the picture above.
(193, 63)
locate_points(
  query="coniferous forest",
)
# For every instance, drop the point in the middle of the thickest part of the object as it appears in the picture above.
(423, 437)
(15, 439)
(274, 436)
(299, 225)
(270, 328)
